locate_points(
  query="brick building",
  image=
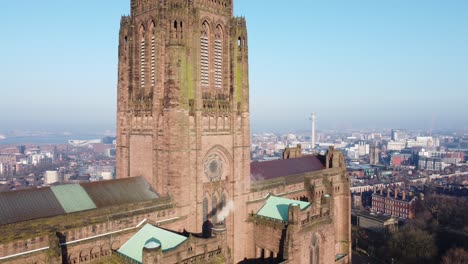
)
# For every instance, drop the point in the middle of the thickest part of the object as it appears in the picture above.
(393, 203)
(183, 139)
(7, 164)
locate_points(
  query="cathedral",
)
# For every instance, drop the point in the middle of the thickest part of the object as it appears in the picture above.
(187, 191)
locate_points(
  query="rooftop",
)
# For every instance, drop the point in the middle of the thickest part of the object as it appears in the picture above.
(377, 217)
(150, 237)
(24, 205)
(278, 208)
(279, 168)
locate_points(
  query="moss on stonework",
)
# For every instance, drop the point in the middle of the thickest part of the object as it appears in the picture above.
(183, 77)
(239, 82)
(191, 69)
(46, 226)
(190, 84)
(258, 220)
(219, 259)
(113, 259)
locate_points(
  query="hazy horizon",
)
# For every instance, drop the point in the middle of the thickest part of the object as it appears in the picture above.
(373, 65)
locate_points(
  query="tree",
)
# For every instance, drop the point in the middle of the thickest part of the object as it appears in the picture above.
(412, 245)
(455, 256)
(448, 211)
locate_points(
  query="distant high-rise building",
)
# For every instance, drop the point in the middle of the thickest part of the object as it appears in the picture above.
(374, 154)
(107, 140)
(395, 145)
(363, 148)
(51, 177)
(21, 149)
(313, 118)
(395, 134)
(399, 134)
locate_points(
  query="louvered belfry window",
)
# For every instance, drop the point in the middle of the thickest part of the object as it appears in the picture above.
(143, 61)
(205, 55)
(153, 48)
(218, 58)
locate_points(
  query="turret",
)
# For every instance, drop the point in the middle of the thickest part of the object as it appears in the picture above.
(294, 211)
(152, 252)
(240, 56)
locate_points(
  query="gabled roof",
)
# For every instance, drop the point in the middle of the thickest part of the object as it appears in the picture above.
(278, 208)
(121, 191)
(73, 198)
(17, 206)
(150, 235)
(280, 168)
(24, 205)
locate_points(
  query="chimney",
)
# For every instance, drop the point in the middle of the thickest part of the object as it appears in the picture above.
(396, 193)
(388, 192)
(298, 151)
(381, 190)
(404, 195)
(375, 189)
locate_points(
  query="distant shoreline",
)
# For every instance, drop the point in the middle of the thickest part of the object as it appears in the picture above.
(46, 140)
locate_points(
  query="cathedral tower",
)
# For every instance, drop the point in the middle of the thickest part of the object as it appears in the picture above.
(183, 104)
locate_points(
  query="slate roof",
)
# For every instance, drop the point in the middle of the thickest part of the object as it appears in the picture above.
(280, 168)
(17, 206)
(278, 208)
(150, 236)
(121, 191)
(24, 205)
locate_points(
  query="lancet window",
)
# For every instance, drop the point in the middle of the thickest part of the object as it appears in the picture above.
(153, 54)
(205, 55)
(218, 57)
(142, 57)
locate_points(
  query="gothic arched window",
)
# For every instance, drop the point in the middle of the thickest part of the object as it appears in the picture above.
(223, 201)
(204, 54)
(205, 210)
(317, 255)
(218, 56)
(142, 57)
(153, 53)
(315, 250)
(214, 209)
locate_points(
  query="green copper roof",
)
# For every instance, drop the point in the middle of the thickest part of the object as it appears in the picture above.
(277, 207)
(147, 236)
(73, 198)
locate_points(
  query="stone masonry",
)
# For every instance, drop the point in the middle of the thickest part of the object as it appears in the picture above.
(183, 124)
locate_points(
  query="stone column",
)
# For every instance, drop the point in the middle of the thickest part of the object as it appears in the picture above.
(259, 252)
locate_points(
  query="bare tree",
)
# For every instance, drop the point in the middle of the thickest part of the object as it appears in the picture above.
(413, 245)
(455, 256)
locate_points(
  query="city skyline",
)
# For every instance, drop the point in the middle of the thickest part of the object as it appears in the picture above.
(357, 151)
(383, 64)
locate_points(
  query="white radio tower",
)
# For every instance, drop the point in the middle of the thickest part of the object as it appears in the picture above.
(313, 130)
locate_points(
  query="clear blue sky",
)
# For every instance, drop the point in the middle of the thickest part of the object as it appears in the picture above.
(357, 64)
